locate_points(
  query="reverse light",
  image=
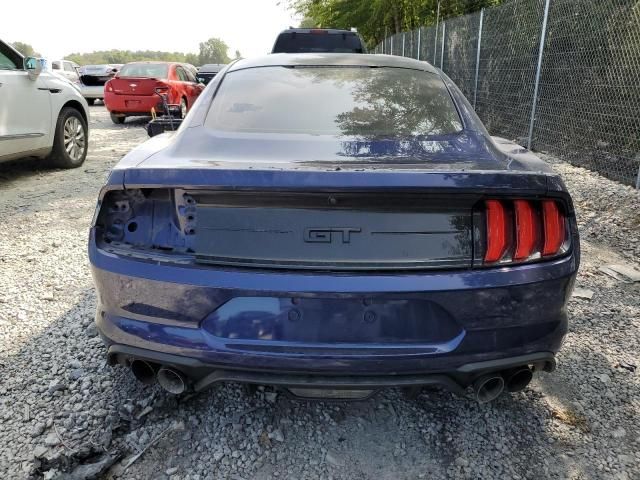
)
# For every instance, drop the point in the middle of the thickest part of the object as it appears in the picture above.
(523, 230)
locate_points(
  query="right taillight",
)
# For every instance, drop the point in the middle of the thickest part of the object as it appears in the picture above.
(554, 228)
(522, 230)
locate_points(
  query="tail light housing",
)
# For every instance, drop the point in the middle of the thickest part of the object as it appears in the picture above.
(523, 230)
(108, 87)
(146, 220)
(161, 87)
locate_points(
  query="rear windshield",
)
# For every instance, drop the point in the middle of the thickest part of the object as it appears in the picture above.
(295, 42)
(147, 70)
(345, 101)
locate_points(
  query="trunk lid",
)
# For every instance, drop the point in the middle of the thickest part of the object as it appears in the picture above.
(331, 231)
(134, 85)
(331, 204)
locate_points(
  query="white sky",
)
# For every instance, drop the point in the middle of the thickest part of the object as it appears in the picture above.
(57, 28)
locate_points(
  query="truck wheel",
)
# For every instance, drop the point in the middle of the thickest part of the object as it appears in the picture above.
(118, 120)
(183, 107)
(71, 140)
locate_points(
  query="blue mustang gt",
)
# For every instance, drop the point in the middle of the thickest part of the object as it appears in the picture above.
(333, 224)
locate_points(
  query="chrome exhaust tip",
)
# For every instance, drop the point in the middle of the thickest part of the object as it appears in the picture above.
(143, 371)
(171, 380)
(488, 387)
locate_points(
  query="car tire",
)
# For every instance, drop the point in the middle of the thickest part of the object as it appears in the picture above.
(118, 120)
(71, 140)
(183, 107)
(91, 101)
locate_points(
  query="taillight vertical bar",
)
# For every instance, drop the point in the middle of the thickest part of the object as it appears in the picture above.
(496, 231)
(526, 231)
(554, 227)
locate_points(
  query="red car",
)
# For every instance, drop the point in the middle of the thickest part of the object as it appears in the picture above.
(132, 92)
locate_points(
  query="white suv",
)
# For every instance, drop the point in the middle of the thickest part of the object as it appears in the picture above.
(41, 114)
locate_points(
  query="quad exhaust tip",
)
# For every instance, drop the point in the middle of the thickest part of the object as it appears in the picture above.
(517, 379)
(143, 371)
(171, 380)
(488, 387)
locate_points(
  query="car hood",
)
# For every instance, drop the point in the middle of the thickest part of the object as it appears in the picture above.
(203, 149)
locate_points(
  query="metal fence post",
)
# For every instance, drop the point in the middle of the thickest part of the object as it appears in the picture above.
(419, 46)
(475, 88)
(638, 180)
(435, 42)
(391, 45)
(444, 26)
(543, 36)
(404, 36)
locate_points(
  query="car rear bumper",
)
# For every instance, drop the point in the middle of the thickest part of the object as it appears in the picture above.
(205, 320)
(131, 104)
(205, 375)
(92, 92)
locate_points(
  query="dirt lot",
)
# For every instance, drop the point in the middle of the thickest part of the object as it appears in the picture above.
(61, 407)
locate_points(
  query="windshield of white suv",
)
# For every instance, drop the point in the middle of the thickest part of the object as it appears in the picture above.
(348, 101)
(145, 70)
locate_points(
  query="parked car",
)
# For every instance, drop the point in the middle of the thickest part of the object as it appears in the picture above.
(41, 115)
(318, 40)
(133, 91)
(208, 71)
(378, 237)
(191, 68)
(93, 78)
(67, 69)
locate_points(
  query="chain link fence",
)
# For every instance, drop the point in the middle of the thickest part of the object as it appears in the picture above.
(559, 76)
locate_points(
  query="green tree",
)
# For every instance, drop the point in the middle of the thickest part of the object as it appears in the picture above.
(375, 19)
(307, 22)
(213, 50)
(125, 56)
(25, 49)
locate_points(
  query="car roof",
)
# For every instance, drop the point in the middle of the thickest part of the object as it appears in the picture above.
(212, 67)
(159, 62)
(331, 31)
(332, 59)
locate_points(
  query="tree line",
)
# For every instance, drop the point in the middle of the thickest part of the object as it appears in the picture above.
(377, 19)
(213, 50)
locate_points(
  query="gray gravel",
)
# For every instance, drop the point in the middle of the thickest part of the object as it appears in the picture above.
(65, 414)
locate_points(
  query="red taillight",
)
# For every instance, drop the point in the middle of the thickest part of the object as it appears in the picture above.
(161, 87)
(108, 86)
(318, 31)
(496, 231)
(521, 230)
(554, 233)
(526, 229)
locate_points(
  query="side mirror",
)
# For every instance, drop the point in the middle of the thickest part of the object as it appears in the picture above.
(33, 66)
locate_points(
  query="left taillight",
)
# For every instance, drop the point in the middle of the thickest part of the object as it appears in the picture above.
(146, 219)
(523, 230)
(108, 87)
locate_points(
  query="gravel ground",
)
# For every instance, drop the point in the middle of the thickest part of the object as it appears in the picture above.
(64, 411)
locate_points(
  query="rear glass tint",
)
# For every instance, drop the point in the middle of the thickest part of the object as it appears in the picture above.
(145, 70)
(346, 101)
(295, 42)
